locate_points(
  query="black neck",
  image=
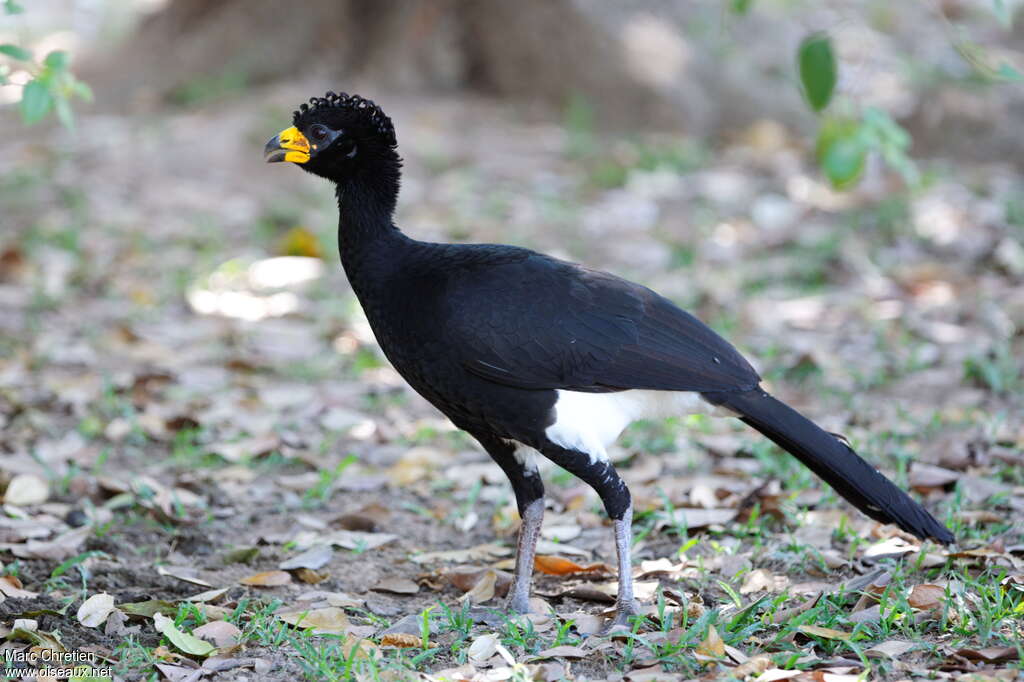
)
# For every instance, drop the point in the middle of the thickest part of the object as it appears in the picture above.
(366, 231)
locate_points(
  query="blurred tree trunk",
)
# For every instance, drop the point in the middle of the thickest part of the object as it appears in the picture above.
(642, 64)
(540, 49)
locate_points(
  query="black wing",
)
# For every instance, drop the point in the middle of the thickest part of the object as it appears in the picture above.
(542, 323)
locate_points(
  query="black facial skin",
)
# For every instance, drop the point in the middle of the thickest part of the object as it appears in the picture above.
(348, 148)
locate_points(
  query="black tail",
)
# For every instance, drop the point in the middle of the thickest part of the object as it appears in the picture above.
(834, 461)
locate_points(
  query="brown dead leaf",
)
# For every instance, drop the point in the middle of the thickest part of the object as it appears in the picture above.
(484, 589)
(187, 574)
(220, 633)
(556, 565)
(992, 654)
(825, 633)
(247, 447)
(485, 552)
(94, 611)
(564, 651)
(11, 586)
(401, 640)
(60, 548)
(25, 490)
(208, 595)
(753, 667)
(712, 647)
(784, 615)
(760, 580)
(353, 539)
(396, 586)
(980, 516)
(326, 621)
(893, 648)
(314, 558)
(924, 477)
(309, 576)
(267, 579)
(926, 596)
(466, 578)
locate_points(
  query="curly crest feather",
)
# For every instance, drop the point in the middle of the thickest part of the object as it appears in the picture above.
(373, 114)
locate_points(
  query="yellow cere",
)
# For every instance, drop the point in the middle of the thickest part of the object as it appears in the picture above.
(296, 144)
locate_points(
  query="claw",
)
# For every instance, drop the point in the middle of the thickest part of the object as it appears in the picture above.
(622, 620)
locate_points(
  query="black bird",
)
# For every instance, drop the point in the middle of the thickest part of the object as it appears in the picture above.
(530, 354)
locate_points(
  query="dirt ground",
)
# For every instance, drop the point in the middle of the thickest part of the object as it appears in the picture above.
(190, 396)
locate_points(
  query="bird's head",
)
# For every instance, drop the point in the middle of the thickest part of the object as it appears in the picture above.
(335, 137)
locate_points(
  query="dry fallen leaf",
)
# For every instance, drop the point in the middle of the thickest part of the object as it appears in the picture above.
(927, 596)
(755, 666)
(712, 646)
(353, 539)
(187, 574)
(992, 654)
(94, 611)
(267, 579)
(11, 586)
(556, 565)
(760, 580)
(25, 490)
(222, 633)
(564, 651)
(401, 640)
(208, 595)
(396, 586)
(313, 558)
(483, 591)
(463, 556)
(893, 648)
(326, 621)
(826, 633)
(482, 649)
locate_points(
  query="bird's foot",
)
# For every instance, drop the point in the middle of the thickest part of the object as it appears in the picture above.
(622, 621)
(518, 603)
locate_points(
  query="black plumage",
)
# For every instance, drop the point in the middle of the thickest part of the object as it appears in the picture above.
(530, 354)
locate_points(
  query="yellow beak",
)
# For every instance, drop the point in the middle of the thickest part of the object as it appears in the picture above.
(287, 145)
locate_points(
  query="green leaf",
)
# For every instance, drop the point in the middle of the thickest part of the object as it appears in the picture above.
(64, 114)
(36, 102)
(148, 609)
(818, 71)
(15, 52)
(1003, 12)
(12, 7)
(81, 90)
(57, 60)
(1008, 73)
(740, 6)
(190, 644)
(843, 161)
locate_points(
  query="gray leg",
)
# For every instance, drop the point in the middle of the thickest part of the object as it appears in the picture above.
(529, 491)
(526, 548)
(625, 604)
(602, 477)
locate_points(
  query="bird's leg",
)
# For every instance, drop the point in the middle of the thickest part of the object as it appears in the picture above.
(599, 474)
(625, 604)
(529, 530)
(518, 463)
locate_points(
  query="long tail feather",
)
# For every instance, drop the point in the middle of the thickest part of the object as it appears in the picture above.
(834, 461)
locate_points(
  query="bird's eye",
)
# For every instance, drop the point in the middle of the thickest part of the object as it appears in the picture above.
(318, 132)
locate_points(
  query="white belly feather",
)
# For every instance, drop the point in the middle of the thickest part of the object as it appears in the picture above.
(590, 422)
